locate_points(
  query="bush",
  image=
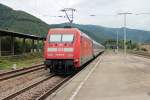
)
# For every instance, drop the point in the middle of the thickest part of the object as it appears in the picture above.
(144, 49)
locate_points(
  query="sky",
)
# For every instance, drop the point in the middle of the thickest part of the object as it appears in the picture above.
(105, 10)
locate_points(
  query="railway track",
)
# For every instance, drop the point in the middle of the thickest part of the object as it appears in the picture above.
(13, 95)
(41, 89)
(54, 88)
(18, 72)
(44, 94)
(47, 92)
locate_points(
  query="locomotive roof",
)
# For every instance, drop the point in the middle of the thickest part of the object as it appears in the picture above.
(82, 33)
(64, 29)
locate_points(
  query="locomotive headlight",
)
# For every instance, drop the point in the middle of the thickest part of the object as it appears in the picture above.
(51, 49)
(68, 49)
(76, 60)
(50, 54)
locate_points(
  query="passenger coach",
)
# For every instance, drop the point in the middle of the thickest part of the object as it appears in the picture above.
(67, 49)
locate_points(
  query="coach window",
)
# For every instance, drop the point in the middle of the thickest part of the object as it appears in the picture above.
(55, 38)
(67, 37)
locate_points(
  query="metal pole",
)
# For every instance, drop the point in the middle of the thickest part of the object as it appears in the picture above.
(0, 47)
(32, 50)
(24, 47)
(43, 44)
(12, 46)
(125, 38)
(117, 42)
(38, 49)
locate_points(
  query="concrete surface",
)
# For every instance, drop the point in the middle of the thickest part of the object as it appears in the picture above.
(109, 77)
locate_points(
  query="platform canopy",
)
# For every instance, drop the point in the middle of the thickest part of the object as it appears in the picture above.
(20, 35)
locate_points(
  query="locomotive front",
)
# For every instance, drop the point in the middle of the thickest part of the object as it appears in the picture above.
(60, 51)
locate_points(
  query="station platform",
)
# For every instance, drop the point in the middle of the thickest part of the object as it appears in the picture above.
(109, 77)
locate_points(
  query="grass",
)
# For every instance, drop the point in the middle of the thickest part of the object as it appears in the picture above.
(21, 61)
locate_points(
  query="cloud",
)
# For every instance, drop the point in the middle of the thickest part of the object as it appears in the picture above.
(105, 11)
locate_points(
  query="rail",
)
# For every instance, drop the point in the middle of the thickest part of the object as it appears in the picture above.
(13, 95)
(18, 72)
(54, 88)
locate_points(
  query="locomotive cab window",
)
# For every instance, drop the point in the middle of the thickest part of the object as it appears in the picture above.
(55, 38)
(61, 38)
(67, 37)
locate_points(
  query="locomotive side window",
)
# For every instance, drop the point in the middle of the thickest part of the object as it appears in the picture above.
(55, 38)
(67, 37)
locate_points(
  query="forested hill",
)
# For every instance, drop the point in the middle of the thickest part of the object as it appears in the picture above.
(21, 22)
(101, 34)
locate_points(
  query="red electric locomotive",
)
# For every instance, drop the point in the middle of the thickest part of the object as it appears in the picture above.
(67, 49)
